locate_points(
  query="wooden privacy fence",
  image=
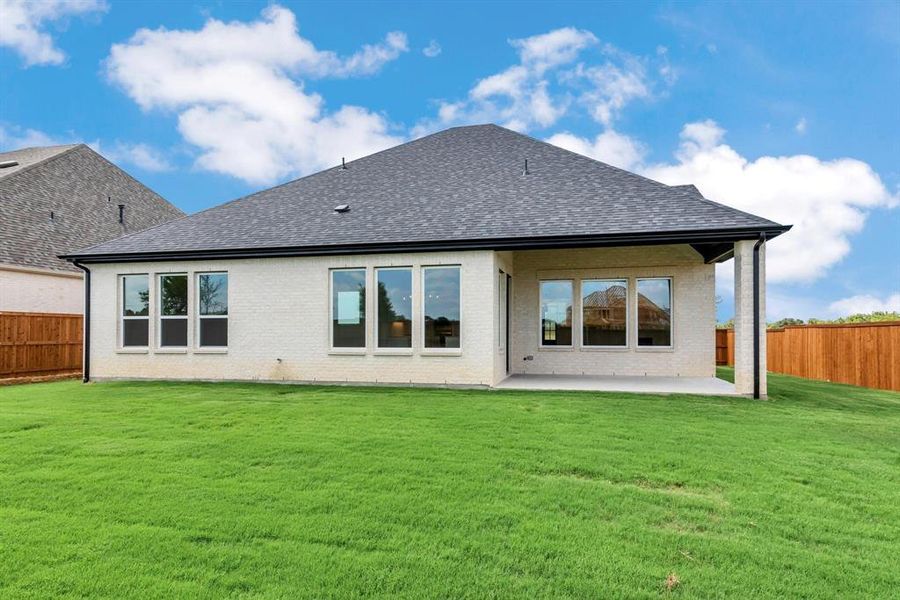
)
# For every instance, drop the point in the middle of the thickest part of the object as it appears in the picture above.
(864, 354)
(35, 344)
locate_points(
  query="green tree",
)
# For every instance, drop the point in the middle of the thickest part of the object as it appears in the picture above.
(785, 322)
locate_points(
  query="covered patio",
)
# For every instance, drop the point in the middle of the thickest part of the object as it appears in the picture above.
(643, 384)
(629, 318)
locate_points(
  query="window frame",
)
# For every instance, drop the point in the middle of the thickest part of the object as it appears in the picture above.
(227, 317)
(437, 349)
(637, 326)
(123, 317)
(348, 349)
(540, 317)
(160, 317)
(378, 348)
(628, 314)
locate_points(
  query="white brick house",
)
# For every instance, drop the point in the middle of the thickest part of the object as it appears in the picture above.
(446, 260)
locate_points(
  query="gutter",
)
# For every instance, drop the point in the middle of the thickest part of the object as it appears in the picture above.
(756, 361)
(516, 243)
(86, 360)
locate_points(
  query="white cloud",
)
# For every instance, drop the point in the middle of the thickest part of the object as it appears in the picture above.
(558, 47)
(432, 49)
(13, 138)
(801, 125)
(666, 70)
(610, 147)
(825, 201)
(612, 87)
(865, 303)
(140, 155)
(22, 23)
(553, 76)
(236, 89)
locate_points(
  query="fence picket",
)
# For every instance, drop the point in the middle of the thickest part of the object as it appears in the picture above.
(864, 354)
(35, 344)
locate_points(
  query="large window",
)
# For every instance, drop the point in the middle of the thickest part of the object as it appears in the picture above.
(654, 312)
(394, 307)
(348, 308)
(135, 311)
(604, 310)
(556, 313)
(442, 322)
(173, 311)
(212, 297)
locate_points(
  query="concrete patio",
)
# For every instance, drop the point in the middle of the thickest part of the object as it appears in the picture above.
(709, 386)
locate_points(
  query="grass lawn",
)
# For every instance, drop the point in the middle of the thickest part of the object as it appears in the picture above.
(168, 490)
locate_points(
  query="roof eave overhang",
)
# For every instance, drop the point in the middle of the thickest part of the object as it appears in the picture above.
(694, 237)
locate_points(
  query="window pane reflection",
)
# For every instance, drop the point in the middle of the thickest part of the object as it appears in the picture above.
(394, 308)
(654, 312)
(348, 309)
(442, 324)
(604, 310)
(556, 313)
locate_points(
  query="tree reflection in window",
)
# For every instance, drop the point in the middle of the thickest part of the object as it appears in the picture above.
(394, 308)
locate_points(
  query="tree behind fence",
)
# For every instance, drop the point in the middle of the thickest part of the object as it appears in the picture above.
(864, 354)
(35, 344)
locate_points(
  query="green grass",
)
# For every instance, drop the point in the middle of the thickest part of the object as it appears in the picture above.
(165, 490)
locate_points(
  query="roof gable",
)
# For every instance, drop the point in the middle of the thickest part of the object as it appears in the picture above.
(66, 197)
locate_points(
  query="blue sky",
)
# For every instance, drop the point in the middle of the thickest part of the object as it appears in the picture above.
(791, 111)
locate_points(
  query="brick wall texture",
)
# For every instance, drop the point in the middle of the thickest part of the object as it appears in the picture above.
(279, 319)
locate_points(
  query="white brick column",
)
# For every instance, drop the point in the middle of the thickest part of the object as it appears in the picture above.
(743, 317)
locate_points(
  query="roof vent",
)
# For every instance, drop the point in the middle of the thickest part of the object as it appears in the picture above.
(525, 172)
(8, 163)
(342, 208)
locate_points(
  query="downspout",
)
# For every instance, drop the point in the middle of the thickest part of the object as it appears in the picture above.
(86, 364)
(756, 246)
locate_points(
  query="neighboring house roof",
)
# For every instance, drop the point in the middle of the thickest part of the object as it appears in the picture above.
(61, 198)
(605, 308)
(464, 187)
(19, 160)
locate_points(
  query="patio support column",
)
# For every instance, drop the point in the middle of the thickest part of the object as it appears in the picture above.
(750, 290)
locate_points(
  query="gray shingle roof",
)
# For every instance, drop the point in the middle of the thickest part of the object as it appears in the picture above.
(82, 190)
(27, 157)
(464, 183)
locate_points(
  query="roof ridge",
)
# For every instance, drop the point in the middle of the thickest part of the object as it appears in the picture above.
(329, 169)
(47, 147)
(684, 193)
(43, 161)
(408, 191)
(132, 178)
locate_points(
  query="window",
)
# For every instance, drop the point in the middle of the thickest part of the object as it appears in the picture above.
(173, 306)
(442, 322)
(556, 313)
(394, 308)
(654, 309)
(135, 311)
(604, 310)
(348, 308)
(212, 298)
